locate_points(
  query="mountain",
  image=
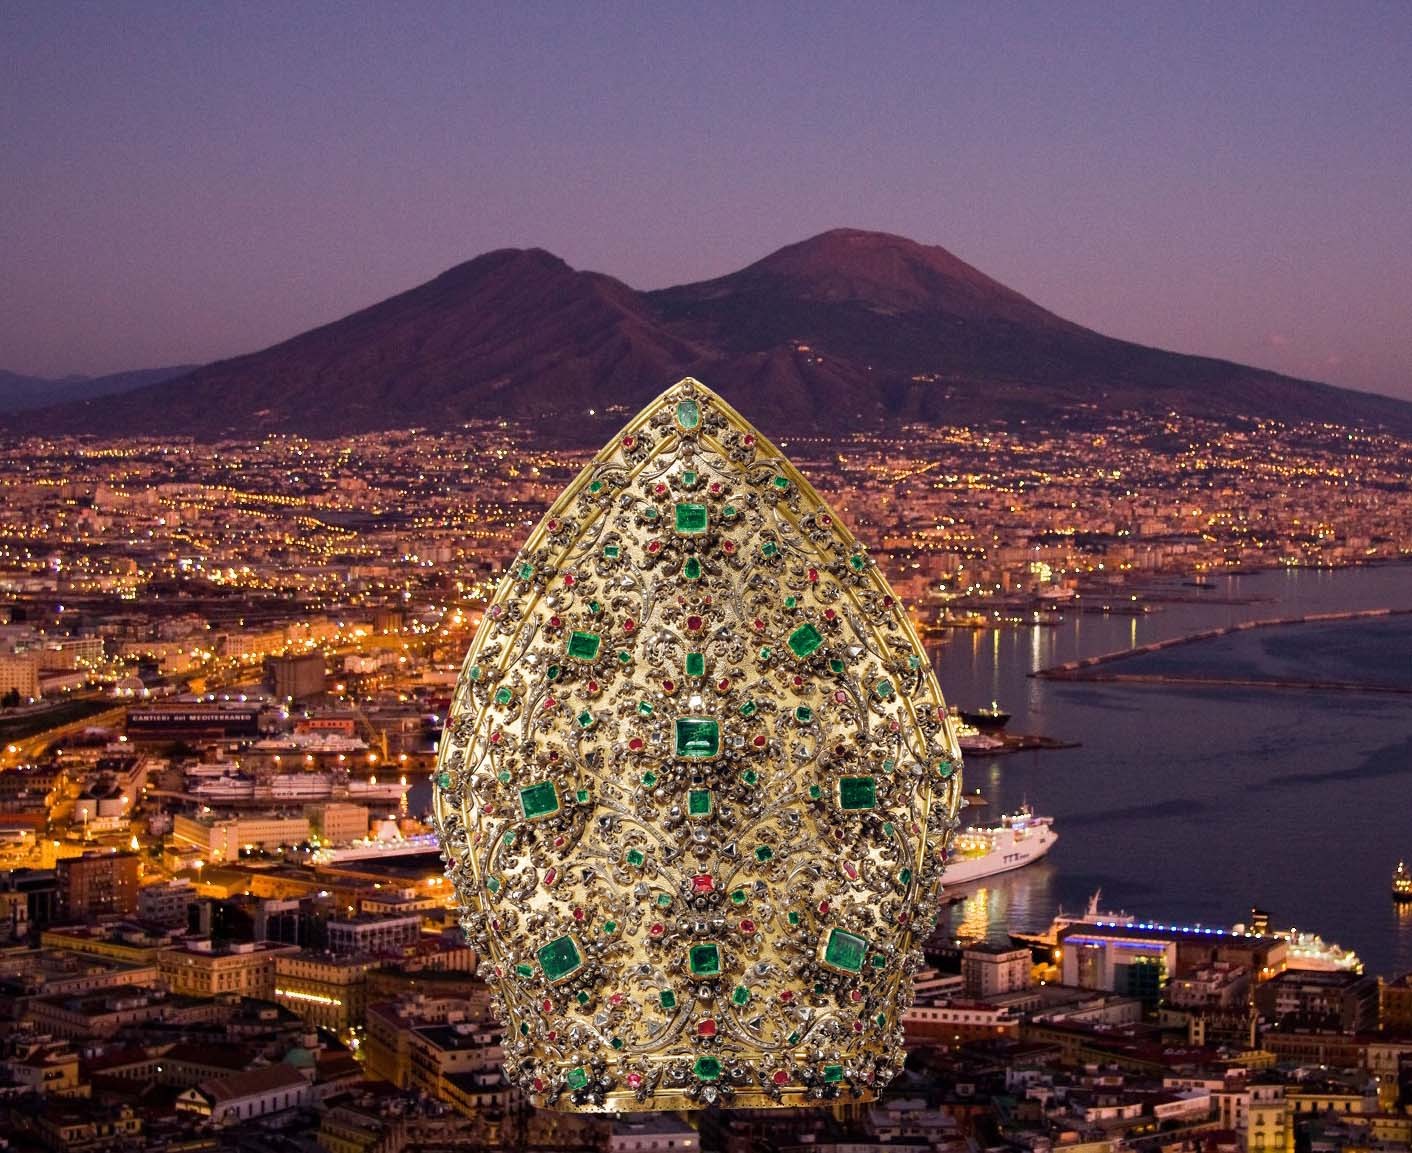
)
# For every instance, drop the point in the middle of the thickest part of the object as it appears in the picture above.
(19, 393)
(847, 329)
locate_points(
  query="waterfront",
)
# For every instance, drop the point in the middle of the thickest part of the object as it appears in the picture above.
(1192, 803)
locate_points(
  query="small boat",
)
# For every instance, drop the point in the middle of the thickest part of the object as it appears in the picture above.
(992, 718)
(1402, 883)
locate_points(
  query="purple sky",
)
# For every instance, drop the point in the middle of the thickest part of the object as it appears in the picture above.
(184, 181)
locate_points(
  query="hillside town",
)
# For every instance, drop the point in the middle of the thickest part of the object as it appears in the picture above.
(223, 919)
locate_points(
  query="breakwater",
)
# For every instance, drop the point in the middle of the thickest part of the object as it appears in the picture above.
(1099, 667)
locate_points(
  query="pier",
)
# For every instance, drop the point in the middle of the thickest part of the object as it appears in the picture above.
(1096, 668)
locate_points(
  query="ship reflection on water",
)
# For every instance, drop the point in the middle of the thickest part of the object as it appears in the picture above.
(1401, 936)
(1022, 901)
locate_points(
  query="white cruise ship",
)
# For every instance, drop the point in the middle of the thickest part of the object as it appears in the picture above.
(1018, 840)
(1303, 950)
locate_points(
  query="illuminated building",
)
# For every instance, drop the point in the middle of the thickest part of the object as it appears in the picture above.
(201, 968)
(326, 989)
(97, 884)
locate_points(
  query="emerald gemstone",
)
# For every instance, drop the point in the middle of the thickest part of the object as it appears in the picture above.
(692, 569)
(769, 549)
(524, 1028)
(781, 482)
(740, 995)
(696, 664)
(698, 802)
(688, 478)
(793, 918)
(881, 1020)
(815, 792)
(594, 608)
(636, 858)
(583, 646)
(624, 656)
(914, 661)
(748, 709)
(560, 958)
(582, 796)
(649, 778)
(833, 1074)
(857, 563)
(585, 719)
(503, 696)
(803, 714)
(444, 780)
(764, 853)
(766, 653)
(552, 673)
(738, 897)
(509, 838)
(576, 1078)
(492, 884)
(888, 765)
(889, 830)
(524, 970)
(698, 738)
(644, 708)
(595, 486)
(704, 960)
(526, 571)
(804, 640)
(879, 961)
(667, 998)
(944, 769)
(750, 776)
(904, 877)
(616, 1042)
(648, 512)
(611, 551)
(539, 800)
(664, 900)
(836, 665)
(688, 413)
(730, 512)
(610, 927)
(475, 672)
(707, 1068)
(883, 689)
(857, 793)
(790, 602)
(582, 998)
(845, 951)
(691, 519)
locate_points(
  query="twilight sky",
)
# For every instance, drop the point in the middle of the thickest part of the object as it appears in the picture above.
(183, 181)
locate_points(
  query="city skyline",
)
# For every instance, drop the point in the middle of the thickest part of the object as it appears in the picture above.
(1225, 185)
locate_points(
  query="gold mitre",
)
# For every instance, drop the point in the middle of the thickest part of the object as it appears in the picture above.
(696, 785)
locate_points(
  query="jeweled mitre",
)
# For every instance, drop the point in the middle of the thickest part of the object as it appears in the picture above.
(696, 784)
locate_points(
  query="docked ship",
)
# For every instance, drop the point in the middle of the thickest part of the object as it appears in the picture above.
(1402, 883)
(223, 784)
(1302, 950)
(1019, 839)
(986, 719)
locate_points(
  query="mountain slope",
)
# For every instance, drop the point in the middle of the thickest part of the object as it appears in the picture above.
(845, 330)
(19, 393)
